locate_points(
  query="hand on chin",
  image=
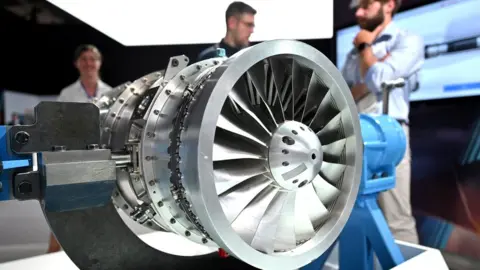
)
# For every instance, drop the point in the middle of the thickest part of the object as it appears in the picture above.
(365, 36)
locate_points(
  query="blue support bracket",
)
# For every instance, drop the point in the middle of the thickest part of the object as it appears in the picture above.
(366, 233)
(9, 161)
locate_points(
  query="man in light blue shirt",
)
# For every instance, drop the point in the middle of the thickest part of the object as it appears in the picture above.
(384, 52)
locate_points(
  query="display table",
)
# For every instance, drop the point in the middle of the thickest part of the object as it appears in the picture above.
(418, 257)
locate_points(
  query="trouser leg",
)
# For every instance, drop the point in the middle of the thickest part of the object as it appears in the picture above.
(396, 204)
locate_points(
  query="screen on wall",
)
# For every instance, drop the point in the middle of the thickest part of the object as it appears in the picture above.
(451, 33)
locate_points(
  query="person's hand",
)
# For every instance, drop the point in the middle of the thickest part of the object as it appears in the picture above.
(365, 36)
(367, 58)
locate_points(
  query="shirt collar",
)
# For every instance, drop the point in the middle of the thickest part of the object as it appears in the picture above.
(100, 83)
(229, 50)
(390, 29)
(97, 91)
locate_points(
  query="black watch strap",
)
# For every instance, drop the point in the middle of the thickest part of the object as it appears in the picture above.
(363, 46)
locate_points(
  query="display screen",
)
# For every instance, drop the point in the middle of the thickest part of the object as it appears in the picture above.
(451, 33)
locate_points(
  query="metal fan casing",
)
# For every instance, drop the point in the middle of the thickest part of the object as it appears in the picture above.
(198, 140)
(175, 137)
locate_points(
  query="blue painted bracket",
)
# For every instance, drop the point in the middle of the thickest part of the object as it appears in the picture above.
(9, 161)
(366, 233)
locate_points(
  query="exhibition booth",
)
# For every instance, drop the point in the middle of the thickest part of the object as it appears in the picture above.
(256, 160)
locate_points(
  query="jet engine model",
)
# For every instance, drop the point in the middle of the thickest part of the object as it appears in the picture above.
(259, 154)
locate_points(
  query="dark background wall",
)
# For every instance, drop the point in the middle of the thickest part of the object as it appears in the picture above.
(38, 58)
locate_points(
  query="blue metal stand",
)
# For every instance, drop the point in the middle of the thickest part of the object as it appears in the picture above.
(8, 161)
(366, 233)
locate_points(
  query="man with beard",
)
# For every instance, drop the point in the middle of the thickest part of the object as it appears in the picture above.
(383, 52)
(240, 20)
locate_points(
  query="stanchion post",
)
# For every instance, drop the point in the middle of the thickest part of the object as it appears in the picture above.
(388, 86)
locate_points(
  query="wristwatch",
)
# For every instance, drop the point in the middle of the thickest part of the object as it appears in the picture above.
(362, 46)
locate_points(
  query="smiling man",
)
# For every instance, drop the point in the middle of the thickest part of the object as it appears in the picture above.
(383, 52)
(89, 86)
(240, 20)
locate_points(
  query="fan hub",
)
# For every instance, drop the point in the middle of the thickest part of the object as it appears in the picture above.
(295, 155)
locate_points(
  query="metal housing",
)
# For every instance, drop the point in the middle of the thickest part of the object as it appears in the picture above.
(259, 154)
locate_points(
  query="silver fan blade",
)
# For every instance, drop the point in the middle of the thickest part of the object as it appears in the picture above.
(274, 98)
(264, 239)
(233, 106)
(247, 222)
(299, 108)
(326, 192)
(332, 172)
(234, 114)
(327, 110)
(287, 96)
(285, 236)
(256, 103)
(333, 131)
(300, 81)
(297, 84)
(226, 124)
(279, 70)
(236, 199)
(271, 96)
(258, 75)
(308, 209)
(231, 173)
(239, 95)
(283, 81)
(335, 152)
(252, 92)
(317, 210)
(316, 91)
(225, 149)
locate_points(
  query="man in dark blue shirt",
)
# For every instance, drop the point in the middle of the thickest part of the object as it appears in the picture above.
(240, 19)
